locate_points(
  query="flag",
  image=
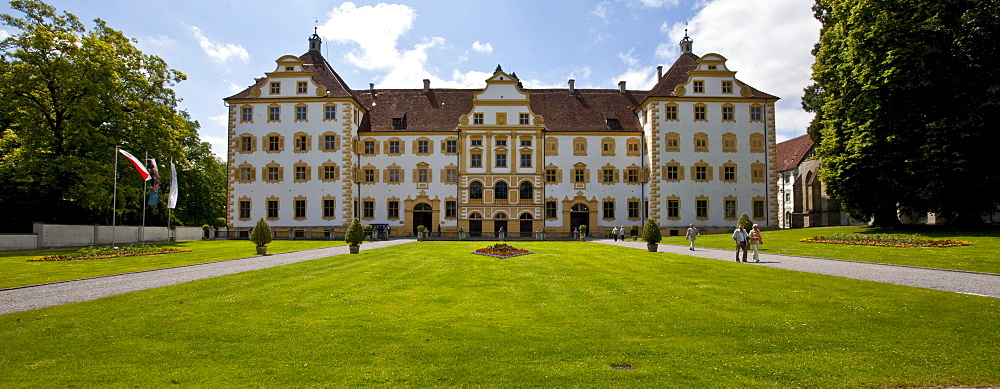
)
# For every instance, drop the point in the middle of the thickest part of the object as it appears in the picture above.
(172, 199)
(154, 172)
(139, 166)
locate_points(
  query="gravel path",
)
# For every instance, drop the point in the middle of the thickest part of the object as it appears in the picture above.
(47, 295)
(979, 284)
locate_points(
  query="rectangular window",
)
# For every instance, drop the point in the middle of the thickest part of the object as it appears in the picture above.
(394, 175)
(246, 143)
(550, 175)
(673, 172)
(501, 160)
(329, 207)
(451, 175)
(330, 112)
(727, 87)
(502, 143)
(671, 112)
(300, 173)
(755, 114)
(579, 175)
(609, 209)
(699, 87)
(758, 209)
(477, 143)
(451, 209)
(673, 208)
(301, 142)
(727, 113)
(701, 208)
(275, 88)
(272, 209)
(329, 142)
(633, 209)
(329, 172)
(247, 114)
(550, 209)
(393, 147)
(369, 175)
(522, 119)
(632, 176)
(476, 160)
(699, 113)
(608, 175)
(368, 210)
(300, 209)
(393, 210)
(477, 118)
(300, 112)
(729, 173)
(730, 208)
(272, 174)
(525, 142)
(301, 87)
(245, 174)
(701, 173)
(423, 146)
(451, 146)
(369, 147)
(525, 160)
(422, 175)
(244, 209)
(274, 114)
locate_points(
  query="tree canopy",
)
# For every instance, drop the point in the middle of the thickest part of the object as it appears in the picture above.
(68, 96)
(905, 95)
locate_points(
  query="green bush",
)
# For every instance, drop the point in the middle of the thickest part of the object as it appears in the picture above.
(368, 227)
(651, 232)
(421, 228)
(261, 234)
(355, 235)
(745, 222)
(583, 228)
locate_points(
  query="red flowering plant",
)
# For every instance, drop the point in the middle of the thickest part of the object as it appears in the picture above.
(501, 250)
(886, 240)
(107, 252)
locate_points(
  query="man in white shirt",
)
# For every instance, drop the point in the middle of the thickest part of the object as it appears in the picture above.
(740, 236)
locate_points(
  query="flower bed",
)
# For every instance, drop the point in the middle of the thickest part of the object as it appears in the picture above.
(885, 240)
(107, 252)
(502, 250)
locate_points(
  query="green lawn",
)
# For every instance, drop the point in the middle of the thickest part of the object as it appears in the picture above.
(17, 271)
(983, 255)
(431, 314)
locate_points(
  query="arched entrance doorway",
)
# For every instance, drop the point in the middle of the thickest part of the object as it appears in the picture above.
(527, 224)
(500, 221)
(475, 225)
(579, 214)
(422, 217)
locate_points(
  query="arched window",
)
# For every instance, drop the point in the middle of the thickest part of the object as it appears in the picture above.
(500, 190)
(526, 190)
(476, 190)
(422, 207)
(580, 208)
(475, 215)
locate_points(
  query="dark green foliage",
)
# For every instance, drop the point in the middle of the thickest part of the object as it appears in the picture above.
(355, 235)
(261, 234)
(651, 232)
(745, 222)
(905, 99)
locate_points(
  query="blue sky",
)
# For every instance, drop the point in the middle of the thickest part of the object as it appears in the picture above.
(222, 45)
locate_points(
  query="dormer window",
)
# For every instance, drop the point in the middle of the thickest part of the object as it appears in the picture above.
(711, 67)
(289, 68)
(612, 122)
(396, 122)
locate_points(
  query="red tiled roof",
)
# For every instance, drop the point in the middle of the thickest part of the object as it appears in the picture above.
(679, 73)
(586, 109)
(323, 74)
(790, 153)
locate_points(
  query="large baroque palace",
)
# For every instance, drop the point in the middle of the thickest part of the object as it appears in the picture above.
(309, 154)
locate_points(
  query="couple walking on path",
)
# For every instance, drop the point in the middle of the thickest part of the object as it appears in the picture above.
(745, 240)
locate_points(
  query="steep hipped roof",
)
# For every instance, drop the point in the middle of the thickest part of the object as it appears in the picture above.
(323, 74)
(679, 73)
(440, 109)
(790, 153)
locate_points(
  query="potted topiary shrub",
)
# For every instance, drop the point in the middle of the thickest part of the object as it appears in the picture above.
(583, 231)
(635, 232)
(354, 236)
(261, 236)
(420, 232)
(651, 234)
(368, 232)
(204, 231)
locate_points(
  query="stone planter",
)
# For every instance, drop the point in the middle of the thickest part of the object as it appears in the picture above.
(355, 248)
(261, 250)
(651, 247)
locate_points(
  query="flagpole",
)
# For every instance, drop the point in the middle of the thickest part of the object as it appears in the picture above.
(142, 230)
(114, 200)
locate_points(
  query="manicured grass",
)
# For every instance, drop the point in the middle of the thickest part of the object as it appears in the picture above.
(983, 255)
(433, 314)
(17, 271)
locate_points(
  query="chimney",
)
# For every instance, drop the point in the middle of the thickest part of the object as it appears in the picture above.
(371, 86)
(572, 86)
(427, 86)
(621, 86)
(659, 72)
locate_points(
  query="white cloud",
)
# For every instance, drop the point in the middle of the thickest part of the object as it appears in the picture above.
(160, 41)
(770, 52)
(219, 51)
(4, 34)
(637, 76)
(482, 48)
(659, 3)
(463, 58)
(374, 31)
(667, 52)
(601, 11)
(232, 87)
(628, 58)
(220, 145)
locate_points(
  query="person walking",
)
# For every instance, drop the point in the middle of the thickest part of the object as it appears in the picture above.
(614, 233)
(621, 233)
(692, 234)
(740, 236)
(755, 242)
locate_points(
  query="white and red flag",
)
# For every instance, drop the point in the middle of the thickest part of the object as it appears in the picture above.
(137, 163)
